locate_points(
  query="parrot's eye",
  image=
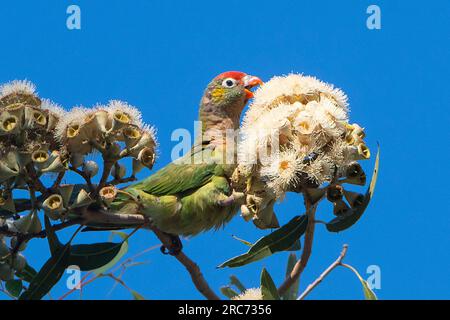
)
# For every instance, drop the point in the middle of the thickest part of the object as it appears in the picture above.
(229, 83)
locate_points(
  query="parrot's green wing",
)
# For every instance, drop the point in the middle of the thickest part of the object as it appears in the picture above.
(176, 179)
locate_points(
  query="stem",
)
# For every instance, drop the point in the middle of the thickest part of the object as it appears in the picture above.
(108, 164)
(120, 181)
(309, 236)
(316, 282)
(193, 269)
(41, 234)
(58, 180)
(85, 177)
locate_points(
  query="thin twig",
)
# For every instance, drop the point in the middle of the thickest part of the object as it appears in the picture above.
(34, 180)
(58, 180)
(85, 177)
(85, 281)
(122, 180)
(108, 164)
(41, 234)
(193, 269)
(309, 236)
(316, 282)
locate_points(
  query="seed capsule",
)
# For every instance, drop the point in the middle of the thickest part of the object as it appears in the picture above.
(355, 174)
(9, 124)
(353, 198)
(131, 136)
(108, 194)
(6, 272)
(90, 168)
(53, 203)
(19, 262)
(147, 157)
(340, 208)
(120, 120)
(335, 193)
(83, 199)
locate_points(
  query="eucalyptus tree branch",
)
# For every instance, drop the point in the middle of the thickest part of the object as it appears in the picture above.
(193, 269)
(42, 234)
(316, 282)
(85, 280)
(122, 180)
(84, 176)
(307, 249)
(58, 180)
(107, 166)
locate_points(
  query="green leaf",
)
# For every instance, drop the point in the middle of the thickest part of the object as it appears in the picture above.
(49, 275)
(292, 292)
(52, 238)
(296, 246)
(279, 240)
(136, 295)
(238, 284)
(14, 287)
(228, 292)
(349, 218)
(247, 243)
(368, 293)
(26, 274)
(123, 249)
(269, 290)
(93, 256)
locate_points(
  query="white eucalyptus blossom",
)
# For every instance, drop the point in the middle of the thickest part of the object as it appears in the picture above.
(295, 134)
(250, 294)
(17, 86)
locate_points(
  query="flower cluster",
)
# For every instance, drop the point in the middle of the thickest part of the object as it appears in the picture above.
(296, 137)
(38, 138)
(250, 294)
(116, 130)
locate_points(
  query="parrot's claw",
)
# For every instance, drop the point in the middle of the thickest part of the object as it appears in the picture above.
(175, 247)
(230, 200)
(226, 202)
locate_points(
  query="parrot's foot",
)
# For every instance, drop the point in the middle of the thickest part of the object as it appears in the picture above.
(175, 246)
(230, 200)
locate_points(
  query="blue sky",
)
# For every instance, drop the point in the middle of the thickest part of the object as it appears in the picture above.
(159, 56)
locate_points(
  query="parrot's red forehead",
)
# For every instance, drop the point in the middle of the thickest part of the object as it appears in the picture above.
(232, 74)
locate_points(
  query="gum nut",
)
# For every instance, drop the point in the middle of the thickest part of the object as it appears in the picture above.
(4, 250)
(353, 198)
(131, 136)
(108, 194)
(66, 191)
(363, 151)
(36, 225)
(39, 157)
(6, 272)
(335, 193)
(19, 262)
(9, 124)
(53, 203)
(147, 157)
(22, 246)
(90, 168)
(83, 199)
(23, 224)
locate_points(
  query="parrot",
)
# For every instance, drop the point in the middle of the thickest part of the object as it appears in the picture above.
(193, 194)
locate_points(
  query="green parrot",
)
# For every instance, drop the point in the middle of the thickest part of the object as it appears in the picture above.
(193, 193)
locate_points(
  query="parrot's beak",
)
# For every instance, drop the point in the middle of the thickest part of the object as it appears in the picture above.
(249, 83)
